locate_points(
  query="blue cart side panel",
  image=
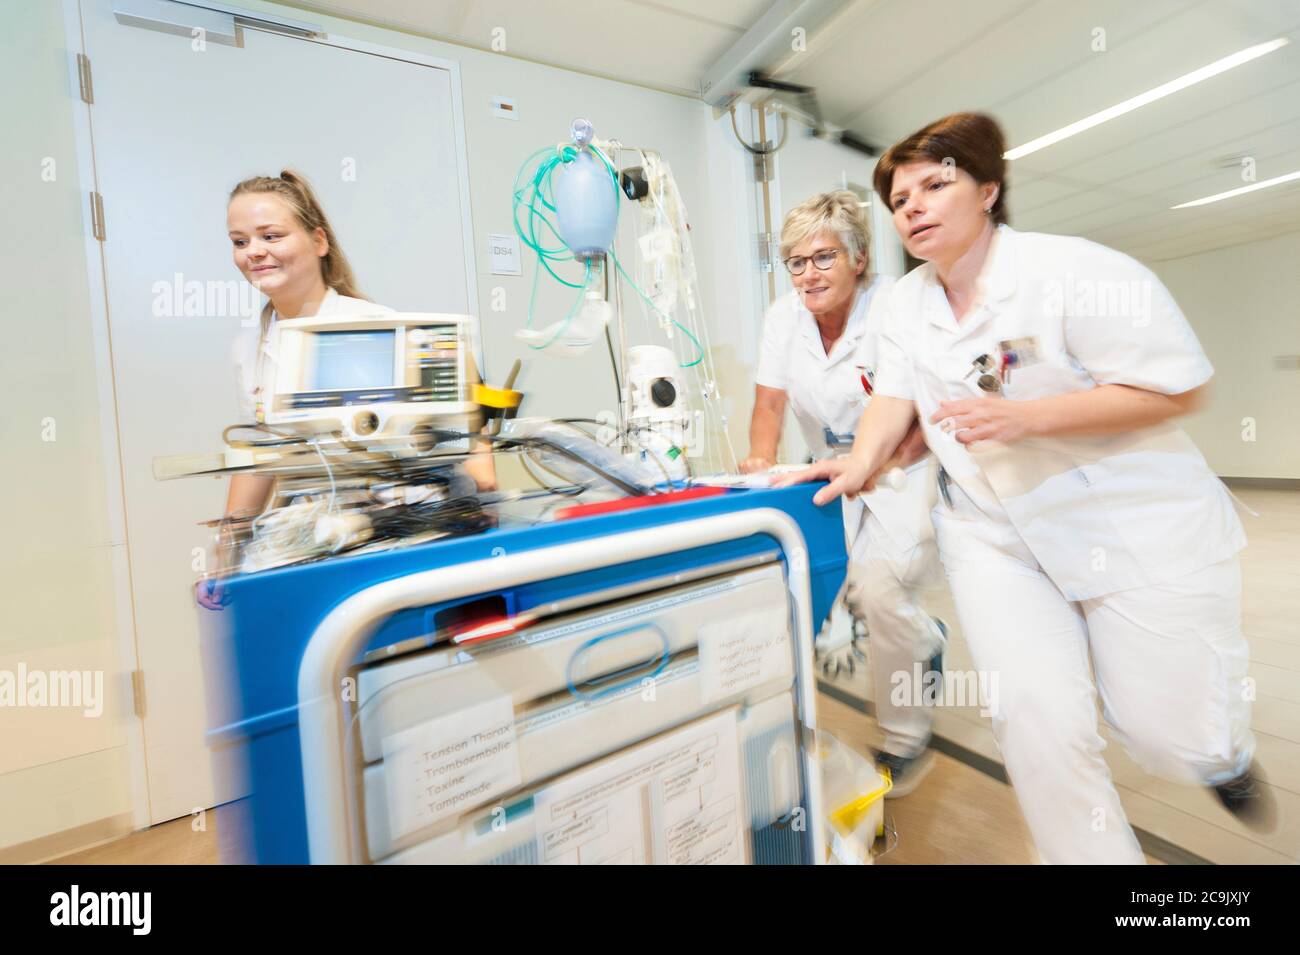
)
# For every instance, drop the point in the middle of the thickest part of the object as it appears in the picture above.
(270, 617)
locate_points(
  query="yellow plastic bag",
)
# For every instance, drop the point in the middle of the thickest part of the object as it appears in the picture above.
(853, 802)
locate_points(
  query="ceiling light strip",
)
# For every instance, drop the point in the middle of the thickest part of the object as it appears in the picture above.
(1275, 181)
(1150, 96)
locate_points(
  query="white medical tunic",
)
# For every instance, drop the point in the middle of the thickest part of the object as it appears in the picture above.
(254, 355)
(826, 391)
(1100, 514)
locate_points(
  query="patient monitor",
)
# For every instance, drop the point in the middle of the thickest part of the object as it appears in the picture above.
(369, 377)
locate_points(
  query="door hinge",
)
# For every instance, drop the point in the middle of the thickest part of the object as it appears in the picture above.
(137, 693)
(97, 217)
(83, 78)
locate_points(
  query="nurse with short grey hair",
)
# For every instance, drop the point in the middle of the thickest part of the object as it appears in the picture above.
(818, 357)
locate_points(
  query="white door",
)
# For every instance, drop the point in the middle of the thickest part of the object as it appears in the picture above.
(175, 124)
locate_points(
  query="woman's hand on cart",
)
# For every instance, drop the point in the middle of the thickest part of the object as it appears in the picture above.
(846, 476)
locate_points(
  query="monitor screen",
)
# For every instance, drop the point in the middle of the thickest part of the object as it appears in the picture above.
(352, 359)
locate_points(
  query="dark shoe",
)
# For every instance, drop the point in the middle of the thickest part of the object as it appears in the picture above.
(905, 773)
(1249, 799)
(936, 661)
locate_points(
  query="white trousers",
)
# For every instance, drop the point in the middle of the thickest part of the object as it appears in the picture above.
(883, 589)
(1170, 661)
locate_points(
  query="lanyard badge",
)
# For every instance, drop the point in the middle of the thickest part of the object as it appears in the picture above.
(1016, 353)
(834, 440)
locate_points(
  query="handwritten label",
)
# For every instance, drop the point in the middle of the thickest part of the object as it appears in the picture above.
(450, 764)
(739, 654)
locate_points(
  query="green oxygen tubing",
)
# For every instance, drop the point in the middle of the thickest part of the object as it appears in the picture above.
(573, 217)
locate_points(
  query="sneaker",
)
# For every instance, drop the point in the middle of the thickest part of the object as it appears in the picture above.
(1249, 799)
(943, 629)
(936, 661)
(904, 772)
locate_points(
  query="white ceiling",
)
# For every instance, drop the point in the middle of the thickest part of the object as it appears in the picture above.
(1031, 64)
(664, 44)
(882, 68)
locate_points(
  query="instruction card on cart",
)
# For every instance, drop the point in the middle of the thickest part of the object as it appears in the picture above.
(674, 800)
(743, 652)
(449, 764)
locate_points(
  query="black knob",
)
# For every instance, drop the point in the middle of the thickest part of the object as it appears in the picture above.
(663, 392)
(634, 182)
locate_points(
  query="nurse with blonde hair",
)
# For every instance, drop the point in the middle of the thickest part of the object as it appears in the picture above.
(283, 244)
(1081, 530)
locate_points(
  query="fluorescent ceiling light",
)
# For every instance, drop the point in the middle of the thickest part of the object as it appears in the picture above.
(1275, 181)
(1150, 96)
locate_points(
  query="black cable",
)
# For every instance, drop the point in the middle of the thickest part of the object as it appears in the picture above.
(609, 340)
(462, 515)
(613, 363)
(281, 438)
(544, 489)
(627, 488)
(432, 478)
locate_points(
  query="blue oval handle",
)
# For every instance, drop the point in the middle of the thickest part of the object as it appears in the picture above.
(618, 685)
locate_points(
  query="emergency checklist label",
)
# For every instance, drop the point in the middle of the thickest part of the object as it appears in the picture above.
(739, 654)
(447, 765)
(675, 800)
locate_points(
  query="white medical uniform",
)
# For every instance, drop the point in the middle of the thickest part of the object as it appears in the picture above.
(890, 537)
(1123, 546)
(254, 355)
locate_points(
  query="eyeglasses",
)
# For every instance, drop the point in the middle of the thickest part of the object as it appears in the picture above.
(823, 259)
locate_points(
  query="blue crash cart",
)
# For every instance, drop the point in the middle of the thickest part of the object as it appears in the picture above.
(306, 649)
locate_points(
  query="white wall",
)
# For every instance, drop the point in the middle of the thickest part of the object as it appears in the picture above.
(58, 769)
(1244, 303)
(729, 247)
